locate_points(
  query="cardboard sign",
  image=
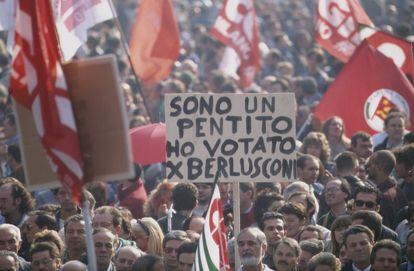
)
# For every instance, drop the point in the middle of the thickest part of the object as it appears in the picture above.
(100, 114)
(245, 137)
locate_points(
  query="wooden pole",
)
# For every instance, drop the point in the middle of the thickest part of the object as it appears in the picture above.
(236, 213)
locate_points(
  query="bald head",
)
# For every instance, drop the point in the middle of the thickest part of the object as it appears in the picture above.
(74, 266)
(126, 256)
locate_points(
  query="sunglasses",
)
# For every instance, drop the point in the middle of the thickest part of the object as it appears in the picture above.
(368, 204)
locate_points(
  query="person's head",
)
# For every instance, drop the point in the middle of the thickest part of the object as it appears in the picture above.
(394, 125)
(380, 164)
(159, 200)
(371, 219)
(338, 228)
(252, 246)
(264, 200)
(14, 197)
(316, 144)
(108, 217)
(324, 261)
(184, 196)
(386, 256)
(285, 257)
(246, 193)
(38, 221)
(359, 240)
(295, 218)
(273, 226)
(104, 241)
(308, 168)
(186, 256)
(64, 198)
(148, 235)
(204, 192)
(10, 238)
(9, 261)
(334, 128)
(347, 164)
(9, 126)
(125, 257)
(366, 198)
(308, 200)
(309, 248)
(14, 157)
(194, 224)
(404, 157)
(410, 245)
(337, 192)
(148, 263)
(45, 257)
(170, 245)
(361, 144)
(49, 236)
(310, 232)
(295, 187)
(74, 266)
(74, 229)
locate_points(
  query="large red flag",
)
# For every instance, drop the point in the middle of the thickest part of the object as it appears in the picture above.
(236, 28)
(38, 83)
(155, 41)
(365, 90)
(398, 49)
(337, 26)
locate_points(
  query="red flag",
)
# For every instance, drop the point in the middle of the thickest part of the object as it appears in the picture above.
(236, 28)
(365, 90)
(38, 83)
(155, 41)
(398, 49)
(337, 26)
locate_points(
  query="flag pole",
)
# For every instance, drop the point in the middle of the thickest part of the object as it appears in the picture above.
(126, 49)
(90, 247)
(236, 223)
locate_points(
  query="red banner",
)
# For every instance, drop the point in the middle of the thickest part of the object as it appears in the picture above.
(236, 28)
(337, 26)
(38, 83)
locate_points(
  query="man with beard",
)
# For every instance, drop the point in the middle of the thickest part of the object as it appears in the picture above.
(252, 246)
(15, 201)
(286, 254)
(358, 241)
(104, 241)
(273, 226)
(74, 238)
(125, 258)
(379, 167)
(204, 194)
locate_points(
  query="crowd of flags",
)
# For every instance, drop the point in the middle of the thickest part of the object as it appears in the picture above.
(372, 82)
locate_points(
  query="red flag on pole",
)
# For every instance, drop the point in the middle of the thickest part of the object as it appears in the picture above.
(337, 26)
(38, 83)
(398, 49)
(236, 28)
(365, 90)
(155, 41)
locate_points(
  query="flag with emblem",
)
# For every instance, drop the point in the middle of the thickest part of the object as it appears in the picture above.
(236, 28)
(365, 90)
(73, 19)
(38, 83)
(396, 48)
(212, 252)
(337, 26)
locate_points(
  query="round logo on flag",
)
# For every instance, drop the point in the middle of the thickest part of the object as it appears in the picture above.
(379, 103)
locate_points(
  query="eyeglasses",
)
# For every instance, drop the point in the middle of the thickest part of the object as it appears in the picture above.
(368, 204)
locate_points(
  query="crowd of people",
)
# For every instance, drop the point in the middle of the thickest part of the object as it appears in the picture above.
(351, 207)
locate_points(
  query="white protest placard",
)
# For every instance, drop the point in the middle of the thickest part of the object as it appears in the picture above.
(246, 137)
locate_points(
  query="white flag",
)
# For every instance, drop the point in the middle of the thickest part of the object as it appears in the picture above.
(7, 15)
(73, 19)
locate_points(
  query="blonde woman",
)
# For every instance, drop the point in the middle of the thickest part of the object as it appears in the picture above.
(148, 235)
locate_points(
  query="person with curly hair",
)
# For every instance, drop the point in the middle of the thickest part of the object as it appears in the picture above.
(316, 144)
(159, 200)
